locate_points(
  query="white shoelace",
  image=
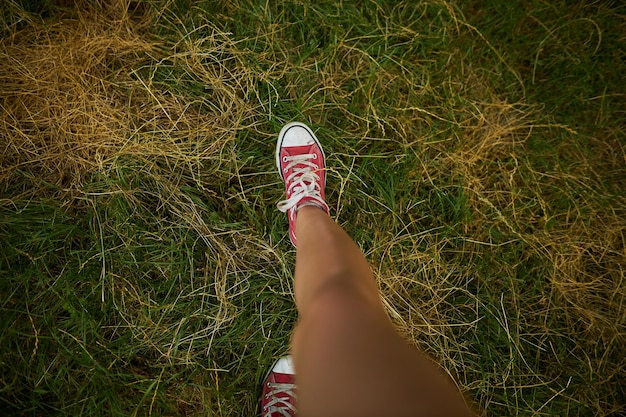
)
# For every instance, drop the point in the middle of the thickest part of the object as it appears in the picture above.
(303, 181)
(280, 404)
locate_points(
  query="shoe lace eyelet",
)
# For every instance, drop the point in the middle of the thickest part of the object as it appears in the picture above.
(284, 159)
(314, 156)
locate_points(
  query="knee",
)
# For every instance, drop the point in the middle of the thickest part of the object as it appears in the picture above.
(341, 294)
(338, 308)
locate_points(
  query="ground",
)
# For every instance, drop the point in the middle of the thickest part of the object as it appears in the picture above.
(476, 154)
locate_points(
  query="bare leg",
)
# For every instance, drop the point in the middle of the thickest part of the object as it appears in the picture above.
(349, 360)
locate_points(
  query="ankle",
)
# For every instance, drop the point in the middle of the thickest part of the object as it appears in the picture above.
(309, 205)
(310, 211)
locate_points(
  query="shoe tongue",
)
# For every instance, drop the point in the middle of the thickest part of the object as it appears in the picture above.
(296, 151)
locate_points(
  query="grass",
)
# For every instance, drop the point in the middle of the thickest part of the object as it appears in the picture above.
(145, 270)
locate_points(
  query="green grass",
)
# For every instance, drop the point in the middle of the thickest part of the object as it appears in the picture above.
(476, 154)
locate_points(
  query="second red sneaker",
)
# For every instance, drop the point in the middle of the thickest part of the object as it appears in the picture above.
(279, 390)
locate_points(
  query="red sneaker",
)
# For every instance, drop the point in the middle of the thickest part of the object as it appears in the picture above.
(301, 163)
(279, 390)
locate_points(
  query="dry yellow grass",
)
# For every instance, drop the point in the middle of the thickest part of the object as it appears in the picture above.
(79, 93)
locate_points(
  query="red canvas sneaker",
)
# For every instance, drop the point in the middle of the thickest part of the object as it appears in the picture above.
(301, 163)
(279, 390)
